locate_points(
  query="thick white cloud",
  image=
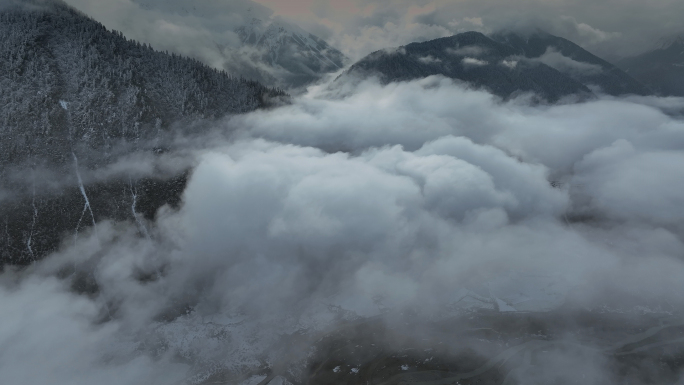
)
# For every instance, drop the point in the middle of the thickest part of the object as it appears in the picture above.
(633, 184)
(556, 60)
(439, 191)
(413, 113)
(48, 336)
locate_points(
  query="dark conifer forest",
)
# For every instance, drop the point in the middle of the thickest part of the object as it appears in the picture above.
(76, 95)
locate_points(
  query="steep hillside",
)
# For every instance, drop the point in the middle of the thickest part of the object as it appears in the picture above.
(242, 37)
(76, 96)
(67, 80)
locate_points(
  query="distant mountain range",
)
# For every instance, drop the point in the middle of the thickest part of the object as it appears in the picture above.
(662, 69)
(506, 64)
(270, 50)
(76, 96)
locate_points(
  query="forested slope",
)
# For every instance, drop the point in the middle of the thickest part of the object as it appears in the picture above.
(75, 97)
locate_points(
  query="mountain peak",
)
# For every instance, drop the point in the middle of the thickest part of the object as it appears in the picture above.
(299, 56)
(671, 41)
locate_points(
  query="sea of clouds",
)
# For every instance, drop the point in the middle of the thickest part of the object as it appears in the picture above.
(352, 201)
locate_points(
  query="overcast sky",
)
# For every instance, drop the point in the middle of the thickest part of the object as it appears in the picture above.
(624, 25)
(609, 28)
(620, 27)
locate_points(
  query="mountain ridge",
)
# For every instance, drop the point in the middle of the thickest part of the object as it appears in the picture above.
(242, 37)
(661, 68)
(505, 64)
(304, 56)
(609, 78)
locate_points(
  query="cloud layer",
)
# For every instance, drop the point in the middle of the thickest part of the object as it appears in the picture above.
(352, 201)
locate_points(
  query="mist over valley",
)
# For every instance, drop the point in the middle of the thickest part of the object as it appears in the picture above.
(212, 194)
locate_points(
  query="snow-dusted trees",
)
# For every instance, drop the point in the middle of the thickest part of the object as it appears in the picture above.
(64, 77)
(71, 90)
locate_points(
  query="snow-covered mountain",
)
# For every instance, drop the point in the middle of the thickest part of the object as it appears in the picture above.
(670, 42)
(294, 55)
(241, 36)
(662, 69)
(77, 97)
